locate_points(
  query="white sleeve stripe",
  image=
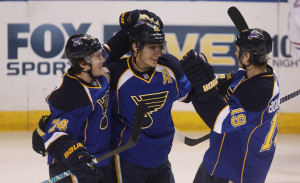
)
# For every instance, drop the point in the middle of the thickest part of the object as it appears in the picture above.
(183, 98)
(53, 138)
(276, 88)
(220, 119)
(124, 77)
(89, 94)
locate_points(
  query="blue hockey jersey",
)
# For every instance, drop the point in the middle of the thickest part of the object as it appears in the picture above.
(158, 88)
(243, 139)
(81, 111)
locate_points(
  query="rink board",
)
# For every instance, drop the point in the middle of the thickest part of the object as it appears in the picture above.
(183, 120)
(33, 35)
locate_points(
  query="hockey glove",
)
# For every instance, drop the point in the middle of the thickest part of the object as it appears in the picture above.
(201, 75)
(129, 18)
(38, 133)
(224, 81)
(74, 155)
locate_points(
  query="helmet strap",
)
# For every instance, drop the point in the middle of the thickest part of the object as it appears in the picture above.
(90, 73)
(88, 60)
(139, 46)
(134, 61)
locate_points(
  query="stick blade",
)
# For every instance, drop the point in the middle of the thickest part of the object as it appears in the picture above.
(193, 142)
(237, 18)
(139, 117)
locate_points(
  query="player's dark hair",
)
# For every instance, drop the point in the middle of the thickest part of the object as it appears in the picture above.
(79, 48)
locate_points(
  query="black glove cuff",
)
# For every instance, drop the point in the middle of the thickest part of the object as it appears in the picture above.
(38, 143)
(123, 20)
(207, 96)
(63, 148)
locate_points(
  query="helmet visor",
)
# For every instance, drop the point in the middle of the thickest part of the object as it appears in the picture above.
(104, 52)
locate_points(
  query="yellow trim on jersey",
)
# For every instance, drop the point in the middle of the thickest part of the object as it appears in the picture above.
(117, 167)
(105, 73)
(128, 60)
(262, 115)
(63, 78)
(107, 47)
(218, 154)
(256, 128)
(236, 111)
(268, 75)
(84, 84)
(174, 77)
(87, 122)
(218, 117)
(53, 160)
(121, 136)
(117, 89)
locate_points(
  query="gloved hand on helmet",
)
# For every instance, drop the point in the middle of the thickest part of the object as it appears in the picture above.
(129, 18)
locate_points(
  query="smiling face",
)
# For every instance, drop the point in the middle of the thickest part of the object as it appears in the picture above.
(148, 56)
(97, 63)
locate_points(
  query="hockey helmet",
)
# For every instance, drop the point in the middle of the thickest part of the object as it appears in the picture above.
(146, 32)
(81, 46)
(255, 41)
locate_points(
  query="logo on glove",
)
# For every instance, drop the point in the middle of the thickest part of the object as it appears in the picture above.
(210, 85)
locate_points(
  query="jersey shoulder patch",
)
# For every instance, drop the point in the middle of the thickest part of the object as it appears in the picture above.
(116, 69)
(173, 63)
(70, 95)
(255, 93)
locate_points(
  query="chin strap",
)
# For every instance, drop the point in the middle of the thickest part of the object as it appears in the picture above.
(90, 73)
(88, 60)
(134, 61)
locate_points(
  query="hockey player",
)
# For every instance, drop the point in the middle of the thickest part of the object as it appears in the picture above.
(156, 79)
(294, 27)
(79, 126)
(244, 125)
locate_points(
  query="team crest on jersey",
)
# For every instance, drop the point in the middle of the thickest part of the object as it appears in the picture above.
(154, 102)
(104, 105)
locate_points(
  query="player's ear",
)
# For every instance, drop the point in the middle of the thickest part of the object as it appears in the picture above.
(83, 65)
(247, 56)
(134, 47)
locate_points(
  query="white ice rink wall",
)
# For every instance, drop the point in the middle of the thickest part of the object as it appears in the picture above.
(33, 35)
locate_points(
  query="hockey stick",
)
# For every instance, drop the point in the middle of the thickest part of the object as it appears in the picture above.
(289, 96)
(237, 18)
(240, 24)
(133, 139)
(192, 142)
